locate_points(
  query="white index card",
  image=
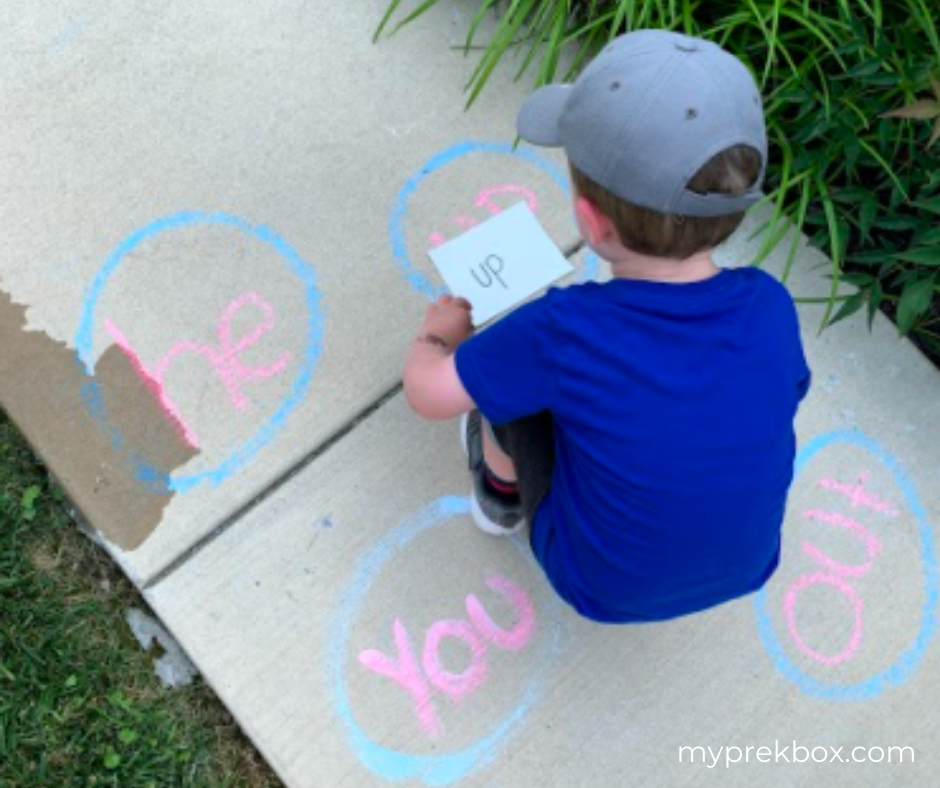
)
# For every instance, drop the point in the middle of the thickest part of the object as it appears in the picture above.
(500, 263)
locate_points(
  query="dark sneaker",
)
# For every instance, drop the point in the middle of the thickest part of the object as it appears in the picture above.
(491, 515)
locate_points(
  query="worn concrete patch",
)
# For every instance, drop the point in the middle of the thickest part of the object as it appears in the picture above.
(173, 667)
(53, 402)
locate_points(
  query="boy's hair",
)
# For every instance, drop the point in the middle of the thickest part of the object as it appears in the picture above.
(648, 232)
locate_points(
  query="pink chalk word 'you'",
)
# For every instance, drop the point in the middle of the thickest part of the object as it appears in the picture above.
(477, 634)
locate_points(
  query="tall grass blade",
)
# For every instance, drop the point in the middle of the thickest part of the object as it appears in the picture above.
(835, 245)
(389, 12)
(426, 5)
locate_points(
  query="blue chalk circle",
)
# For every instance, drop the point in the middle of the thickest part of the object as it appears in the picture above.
(417, 280)
(153, 478)
(906, 664)
(447, 767)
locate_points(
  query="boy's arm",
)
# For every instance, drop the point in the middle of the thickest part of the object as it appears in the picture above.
(432, 385)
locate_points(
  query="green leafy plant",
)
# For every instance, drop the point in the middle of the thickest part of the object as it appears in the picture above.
(925, 109)
(853, 160)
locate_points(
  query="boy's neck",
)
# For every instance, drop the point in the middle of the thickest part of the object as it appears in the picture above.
(632, 265)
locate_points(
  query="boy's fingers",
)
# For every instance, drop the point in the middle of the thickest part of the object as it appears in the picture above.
(464, 303)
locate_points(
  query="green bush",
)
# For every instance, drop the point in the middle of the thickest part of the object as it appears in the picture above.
(852, 102)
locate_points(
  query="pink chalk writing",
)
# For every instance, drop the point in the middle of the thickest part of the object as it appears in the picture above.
(857, 494)
(789, 605)
(224, 359)
(838, 571)
(520, 634)
(405, 673)
(476, 635)
(152, 383)
(485, 199)
(457, 685)
(871, 542)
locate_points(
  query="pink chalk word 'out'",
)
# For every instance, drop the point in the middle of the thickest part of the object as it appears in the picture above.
(789, 604)
(477, 635)
(859, 496)
(838, 572)
(871, 542)
(224, 359)
(484, 199)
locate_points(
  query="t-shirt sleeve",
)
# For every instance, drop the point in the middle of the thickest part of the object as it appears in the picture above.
(510, 368)
(805, 377)
(803, 374)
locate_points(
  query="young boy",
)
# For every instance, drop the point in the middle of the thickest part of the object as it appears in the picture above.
(645, 425)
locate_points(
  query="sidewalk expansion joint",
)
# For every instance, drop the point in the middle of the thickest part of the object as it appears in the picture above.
(273, 487)
(572, 250)
(291, 472)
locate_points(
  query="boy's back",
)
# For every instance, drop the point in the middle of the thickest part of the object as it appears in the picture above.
(657, 486)
(673, 406)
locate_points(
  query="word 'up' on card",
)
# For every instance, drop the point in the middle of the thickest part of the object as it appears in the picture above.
(500, 263)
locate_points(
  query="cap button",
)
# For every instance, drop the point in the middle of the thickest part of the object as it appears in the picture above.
(689, 46)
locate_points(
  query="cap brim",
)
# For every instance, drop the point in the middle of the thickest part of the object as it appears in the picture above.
(540, 116)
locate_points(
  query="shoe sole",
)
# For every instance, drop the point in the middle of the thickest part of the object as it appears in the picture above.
(463, 434)
(486, 525)
(480, 519)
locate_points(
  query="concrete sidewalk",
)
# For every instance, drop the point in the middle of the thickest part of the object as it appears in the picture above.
(213, 263)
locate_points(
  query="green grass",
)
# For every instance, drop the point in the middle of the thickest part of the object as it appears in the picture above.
(79, 702)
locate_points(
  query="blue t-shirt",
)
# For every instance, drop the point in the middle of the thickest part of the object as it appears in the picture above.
(674, 408)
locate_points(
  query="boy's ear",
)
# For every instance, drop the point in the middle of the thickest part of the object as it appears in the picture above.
(594, 225)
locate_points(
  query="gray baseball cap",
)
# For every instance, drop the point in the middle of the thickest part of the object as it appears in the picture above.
(647, 113)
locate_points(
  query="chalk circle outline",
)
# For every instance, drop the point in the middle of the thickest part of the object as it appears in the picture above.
(157, 480)
(393, 765)
(905, 665)
(418, 281)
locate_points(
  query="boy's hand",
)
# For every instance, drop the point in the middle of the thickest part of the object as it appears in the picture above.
(449, 320)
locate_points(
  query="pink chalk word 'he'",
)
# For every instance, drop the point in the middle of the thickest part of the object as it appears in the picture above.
(223, 359)
(485, 200)
(476, 635)
(838, 572)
